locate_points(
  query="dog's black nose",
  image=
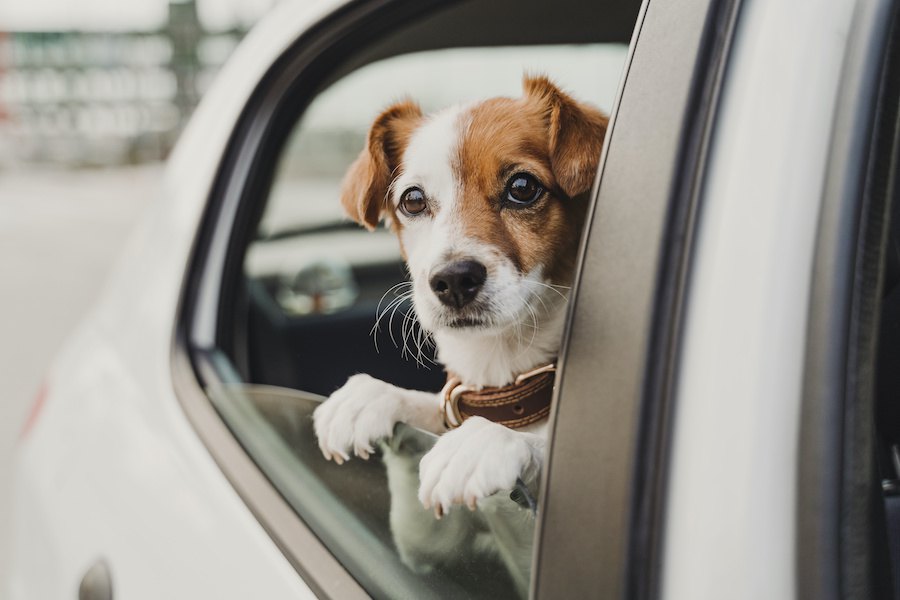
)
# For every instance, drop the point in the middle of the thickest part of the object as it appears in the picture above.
(458, 283)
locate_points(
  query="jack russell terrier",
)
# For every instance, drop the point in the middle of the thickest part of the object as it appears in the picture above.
(488, 202)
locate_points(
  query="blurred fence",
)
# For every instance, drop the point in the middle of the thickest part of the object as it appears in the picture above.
(83, 99)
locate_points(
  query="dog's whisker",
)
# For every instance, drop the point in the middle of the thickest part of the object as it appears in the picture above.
(534, 329)
(388, 291)
(417, 337)
(552, 287)
(393, 304)
(427, 345)
(377, 326)
(420, 344)
(543, 304)
(535, 326)
(406, 328)
(520, 324)
(413, 337)
(398, 297)
(387, 309)
(410, 339)
(508, 315)
(421, 341)
(391, 322)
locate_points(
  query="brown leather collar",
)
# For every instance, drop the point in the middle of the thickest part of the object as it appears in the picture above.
(525, 401)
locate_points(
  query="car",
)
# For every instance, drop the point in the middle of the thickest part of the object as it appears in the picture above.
(725, 415)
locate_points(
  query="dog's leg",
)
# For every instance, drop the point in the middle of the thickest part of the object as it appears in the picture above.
(512, 529)
(423, 542)
(366, 409)
(476, 460)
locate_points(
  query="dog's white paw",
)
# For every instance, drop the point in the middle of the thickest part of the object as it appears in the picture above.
(362, 411)
(473, 462)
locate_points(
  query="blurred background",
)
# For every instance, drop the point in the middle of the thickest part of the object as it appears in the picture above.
(93, 96)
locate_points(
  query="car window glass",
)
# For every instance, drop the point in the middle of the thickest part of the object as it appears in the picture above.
(324, 300)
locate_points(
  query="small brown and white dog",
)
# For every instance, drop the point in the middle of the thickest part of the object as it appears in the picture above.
(487, 201)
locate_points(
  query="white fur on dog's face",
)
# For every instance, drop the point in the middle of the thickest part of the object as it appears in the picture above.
(439, 237)
(462, 160)
(430, 240)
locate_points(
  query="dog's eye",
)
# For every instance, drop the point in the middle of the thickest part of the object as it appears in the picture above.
(412, 202)
(523, 189)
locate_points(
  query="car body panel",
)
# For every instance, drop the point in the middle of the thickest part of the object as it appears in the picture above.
(120, 473)
(604, 364)
(748, 298)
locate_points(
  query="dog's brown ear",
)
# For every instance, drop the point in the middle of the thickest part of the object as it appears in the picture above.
(365, 186)
(576, 134)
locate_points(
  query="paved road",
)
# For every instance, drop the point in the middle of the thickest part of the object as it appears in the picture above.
(60, 232)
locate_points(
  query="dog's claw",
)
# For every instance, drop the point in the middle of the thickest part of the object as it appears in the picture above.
(438, 511)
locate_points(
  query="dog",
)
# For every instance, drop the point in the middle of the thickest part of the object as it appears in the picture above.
(487, 201)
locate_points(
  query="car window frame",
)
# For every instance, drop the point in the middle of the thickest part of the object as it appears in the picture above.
(653, 196)
(838, 538)
(195, 361)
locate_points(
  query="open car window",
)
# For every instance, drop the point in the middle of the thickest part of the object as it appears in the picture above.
(330, 293)
(324, 299)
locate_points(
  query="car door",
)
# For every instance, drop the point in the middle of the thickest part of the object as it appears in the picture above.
(589, 521)
(776, 452)
(604, 503)
(609, 430)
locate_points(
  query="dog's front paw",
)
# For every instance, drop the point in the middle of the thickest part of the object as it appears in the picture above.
(474, 461)
(362, 411)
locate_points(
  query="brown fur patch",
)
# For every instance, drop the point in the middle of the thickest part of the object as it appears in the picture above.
(553, 137)
(365, 186)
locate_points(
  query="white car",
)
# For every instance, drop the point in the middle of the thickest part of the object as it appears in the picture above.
(725, 419)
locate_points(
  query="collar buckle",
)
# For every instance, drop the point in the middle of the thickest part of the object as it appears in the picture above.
(450, 394)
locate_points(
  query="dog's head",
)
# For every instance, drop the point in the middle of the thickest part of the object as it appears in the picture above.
(487, 200)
